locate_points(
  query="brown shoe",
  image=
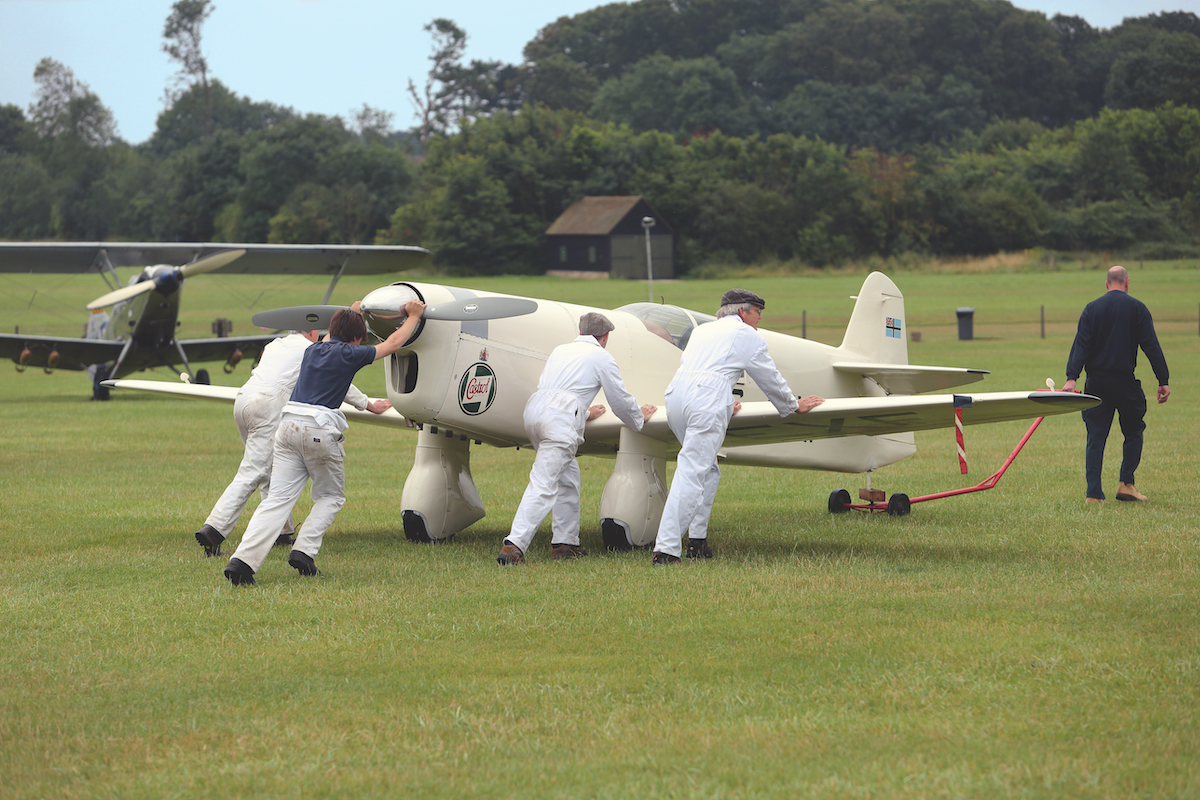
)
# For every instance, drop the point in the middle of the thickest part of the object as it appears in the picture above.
(664, 559)
(510, 554)
(566, 551)
(1127, 493)
(698, 548)
(1094, 501)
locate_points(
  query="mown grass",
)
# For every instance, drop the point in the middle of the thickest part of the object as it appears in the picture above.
(1011, 643)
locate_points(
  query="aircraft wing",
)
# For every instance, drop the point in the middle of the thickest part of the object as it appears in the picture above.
(760, 423)
(286, 259)
(219, 349)
(73, 354)
(227, 394)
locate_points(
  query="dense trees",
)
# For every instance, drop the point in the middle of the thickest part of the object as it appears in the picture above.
(794, 130)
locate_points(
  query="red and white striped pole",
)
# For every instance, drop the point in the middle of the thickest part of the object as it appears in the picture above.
(958, 435)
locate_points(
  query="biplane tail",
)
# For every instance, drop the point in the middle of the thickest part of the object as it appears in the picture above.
(877, 331)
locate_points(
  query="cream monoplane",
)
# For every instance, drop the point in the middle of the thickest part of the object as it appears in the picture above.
(465, 375)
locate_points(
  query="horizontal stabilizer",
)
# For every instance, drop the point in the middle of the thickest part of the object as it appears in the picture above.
(228, 394)
(911, 378)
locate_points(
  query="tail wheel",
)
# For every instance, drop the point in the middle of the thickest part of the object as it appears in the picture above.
(899, 505)
(839, 501)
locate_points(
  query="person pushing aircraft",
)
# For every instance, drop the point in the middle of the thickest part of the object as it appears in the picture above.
(699, 406)
(554, 420)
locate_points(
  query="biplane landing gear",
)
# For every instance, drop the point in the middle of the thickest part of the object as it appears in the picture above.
(839, 501)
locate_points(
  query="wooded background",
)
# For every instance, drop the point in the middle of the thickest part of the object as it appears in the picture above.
(817, 132)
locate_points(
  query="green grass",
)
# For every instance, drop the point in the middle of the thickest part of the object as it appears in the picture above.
(1011, 643)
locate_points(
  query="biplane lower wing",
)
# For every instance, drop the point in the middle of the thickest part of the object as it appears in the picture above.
(73, 354)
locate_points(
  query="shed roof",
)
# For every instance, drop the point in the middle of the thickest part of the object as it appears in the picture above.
(593, 215)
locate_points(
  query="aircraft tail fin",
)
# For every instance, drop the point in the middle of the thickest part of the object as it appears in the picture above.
(877, 331)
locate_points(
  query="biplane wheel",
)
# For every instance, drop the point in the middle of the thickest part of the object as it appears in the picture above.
(899, 505)
(839, 501)
(202, 377)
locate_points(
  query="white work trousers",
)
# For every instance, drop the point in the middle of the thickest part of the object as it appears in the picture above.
(553, 426)
(553, 487)
(257, 417)
(700, 427)
(303, 450)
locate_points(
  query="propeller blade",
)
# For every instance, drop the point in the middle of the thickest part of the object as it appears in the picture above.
(296, 318)
(210, 263)
(124, 293)
(481, 308)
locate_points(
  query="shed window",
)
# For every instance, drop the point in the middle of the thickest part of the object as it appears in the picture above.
(562, 254)
(592, 254)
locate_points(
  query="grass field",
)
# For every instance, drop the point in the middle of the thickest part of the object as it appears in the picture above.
(1011, 643)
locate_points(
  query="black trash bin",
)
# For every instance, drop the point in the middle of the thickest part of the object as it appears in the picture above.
(966, 323)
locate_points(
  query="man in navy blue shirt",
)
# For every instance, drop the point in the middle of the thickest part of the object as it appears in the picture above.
(308, 443)
(1111, 329)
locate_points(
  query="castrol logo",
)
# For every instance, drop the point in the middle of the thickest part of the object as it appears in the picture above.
(477, 389)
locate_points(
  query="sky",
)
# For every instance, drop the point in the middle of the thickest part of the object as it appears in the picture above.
(316, 56)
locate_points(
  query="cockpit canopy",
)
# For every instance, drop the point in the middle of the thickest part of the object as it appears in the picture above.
(671, 323)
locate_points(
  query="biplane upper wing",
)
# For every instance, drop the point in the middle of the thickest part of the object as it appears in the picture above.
(227, 394)
(73, 354)
(286, 259)
(760, 423)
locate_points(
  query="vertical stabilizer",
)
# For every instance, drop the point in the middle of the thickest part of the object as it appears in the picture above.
(878, 330)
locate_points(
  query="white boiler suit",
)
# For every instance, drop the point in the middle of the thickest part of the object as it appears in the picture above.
(257, 411)
(699, 406)
(554, 420)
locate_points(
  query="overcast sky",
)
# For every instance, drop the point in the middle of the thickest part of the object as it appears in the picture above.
(324, 56)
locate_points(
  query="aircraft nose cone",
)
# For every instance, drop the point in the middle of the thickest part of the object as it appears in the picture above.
(383, 308)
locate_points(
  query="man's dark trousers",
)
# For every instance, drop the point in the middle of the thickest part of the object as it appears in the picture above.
(1125, 397)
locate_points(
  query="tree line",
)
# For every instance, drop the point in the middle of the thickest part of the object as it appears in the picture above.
(817, 131)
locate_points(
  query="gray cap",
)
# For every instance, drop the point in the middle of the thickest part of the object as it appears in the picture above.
(593, 324)
(739, 296)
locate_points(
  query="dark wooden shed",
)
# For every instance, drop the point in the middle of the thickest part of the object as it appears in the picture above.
(603, 236)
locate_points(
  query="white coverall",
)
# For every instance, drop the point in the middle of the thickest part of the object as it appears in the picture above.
(257, 412)
(699, 406)
(554, 420)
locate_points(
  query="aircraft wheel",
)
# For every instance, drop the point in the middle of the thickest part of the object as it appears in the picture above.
(899, 505)
(839, 501)
(202, 377)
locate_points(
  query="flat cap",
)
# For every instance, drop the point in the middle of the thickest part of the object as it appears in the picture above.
(740, 296)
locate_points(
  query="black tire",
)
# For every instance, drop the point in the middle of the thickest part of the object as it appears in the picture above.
(202, 377)
(839, 501)
(899, 505)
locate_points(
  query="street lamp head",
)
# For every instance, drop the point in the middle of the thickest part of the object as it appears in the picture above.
(647, 223)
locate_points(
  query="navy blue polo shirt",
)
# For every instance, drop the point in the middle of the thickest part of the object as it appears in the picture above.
(327, 370)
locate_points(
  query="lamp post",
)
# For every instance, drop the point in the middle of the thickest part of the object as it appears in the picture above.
(648, 223)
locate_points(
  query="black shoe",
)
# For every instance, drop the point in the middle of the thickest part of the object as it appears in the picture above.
(698, 548)
(663, 559)
(239, 573)
(303, 563)
(210, 539)
(284, 540)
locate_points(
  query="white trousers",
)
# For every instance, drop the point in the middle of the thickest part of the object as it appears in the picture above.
(257, 418)
(303, 450)
(553, 488)
(700, 429)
